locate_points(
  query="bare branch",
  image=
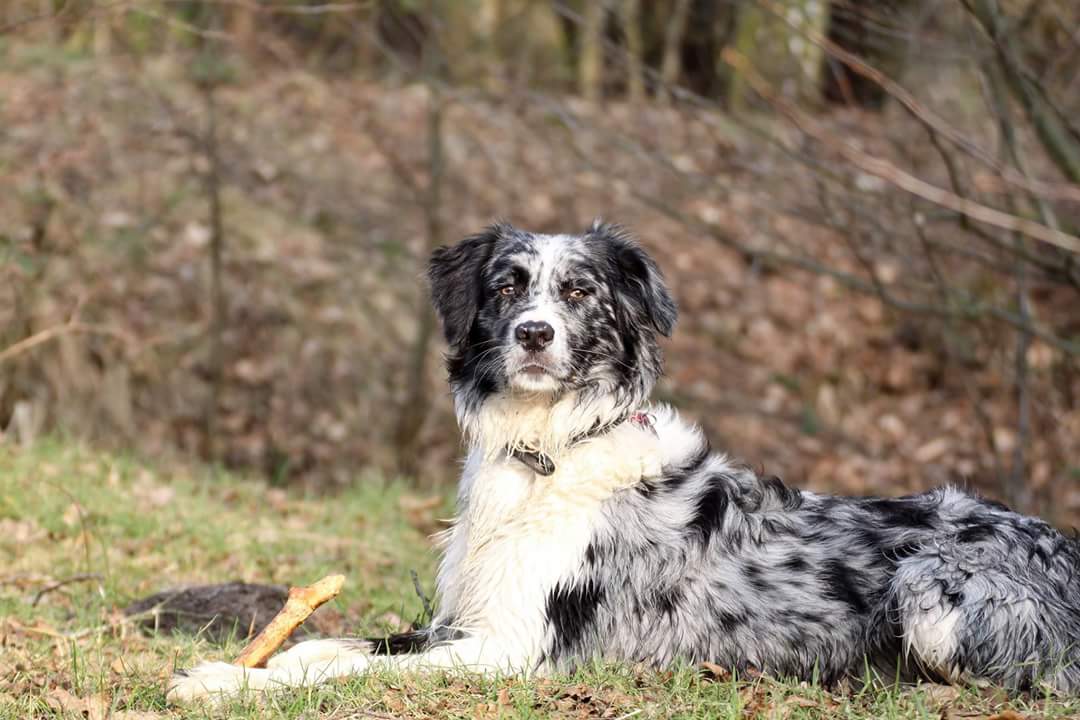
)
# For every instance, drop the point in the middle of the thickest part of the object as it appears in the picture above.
(56, 331)
(1061, 148)
(881, 168)
(921, 113)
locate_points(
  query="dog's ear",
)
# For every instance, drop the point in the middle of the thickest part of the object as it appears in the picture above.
(638, 277)
(454, 275)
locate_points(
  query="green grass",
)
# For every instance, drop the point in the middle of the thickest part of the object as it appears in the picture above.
(132, 528)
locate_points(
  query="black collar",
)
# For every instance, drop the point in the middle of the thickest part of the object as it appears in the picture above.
(542, 464)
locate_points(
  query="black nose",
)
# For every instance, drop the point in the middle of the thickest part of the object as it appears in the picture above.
(534, 335)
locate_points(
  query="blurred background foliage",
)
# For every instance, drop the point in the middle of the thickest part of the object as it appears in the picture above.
(215, 216)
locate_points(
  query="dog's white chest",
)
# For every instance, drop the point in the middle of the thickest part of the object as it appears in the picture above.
(520, 535)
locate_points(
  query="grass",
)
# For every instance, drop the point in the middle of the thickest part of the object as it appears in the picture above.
(118, 529)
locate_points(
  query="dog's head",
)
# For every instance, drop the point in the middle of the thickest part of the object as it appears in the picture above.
(534, 314)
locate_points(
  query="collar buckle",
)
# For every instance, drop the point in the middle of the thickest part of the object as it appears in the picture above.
(542, 464)
(536, 461)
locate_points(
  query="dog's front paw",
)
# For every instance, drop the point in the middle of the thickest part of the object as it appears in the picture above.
(210, 681)
(311, 653)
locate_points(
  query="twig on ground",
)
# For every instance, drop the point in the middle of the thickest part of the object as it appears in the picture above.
(367, 714)
(301, 603)
(86, 577)
(112, 624)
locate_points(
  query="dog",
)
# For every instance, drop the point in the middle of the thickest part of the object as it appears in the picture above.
(593, 525)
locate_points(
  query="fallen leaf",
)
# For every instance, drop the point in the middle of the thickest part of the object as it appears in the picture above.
(420, 511)
(800, 701)
(942, 694)
(40, 627)
(753, 700)
(153, 495)
(932, 450)
(93, 707)
(20, 532)
(277, 499)
(712, 671)
(393, 702)
(72, 515)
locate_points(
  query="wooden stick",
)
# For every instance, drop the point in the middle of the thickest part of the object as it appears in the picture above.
(301, 603)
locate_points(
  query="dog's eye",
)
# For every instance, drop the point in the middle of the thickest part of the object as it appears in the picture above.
(507, 290)
(576, 294)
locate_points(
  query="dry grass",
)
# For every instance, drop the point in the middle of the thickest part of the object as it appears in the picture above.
(115, 528)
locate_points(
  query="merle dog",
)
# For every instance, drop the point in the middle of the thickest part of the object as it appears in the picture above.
(594, 525)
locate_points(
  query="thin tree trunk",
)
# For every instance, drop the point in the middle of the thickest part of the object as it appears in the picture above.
(1015, 482)
(1016, 488)
(102, 24)
(418, 403)
(747, 26)
(49, 23)
(591, 56)
(635, 80)
(502, 40)
(217, 290)
(170, 39)
(243, 27)
(671, 64)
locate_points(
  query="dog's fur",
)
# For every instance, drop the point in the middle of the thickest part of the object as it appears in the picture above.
(643, 545)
